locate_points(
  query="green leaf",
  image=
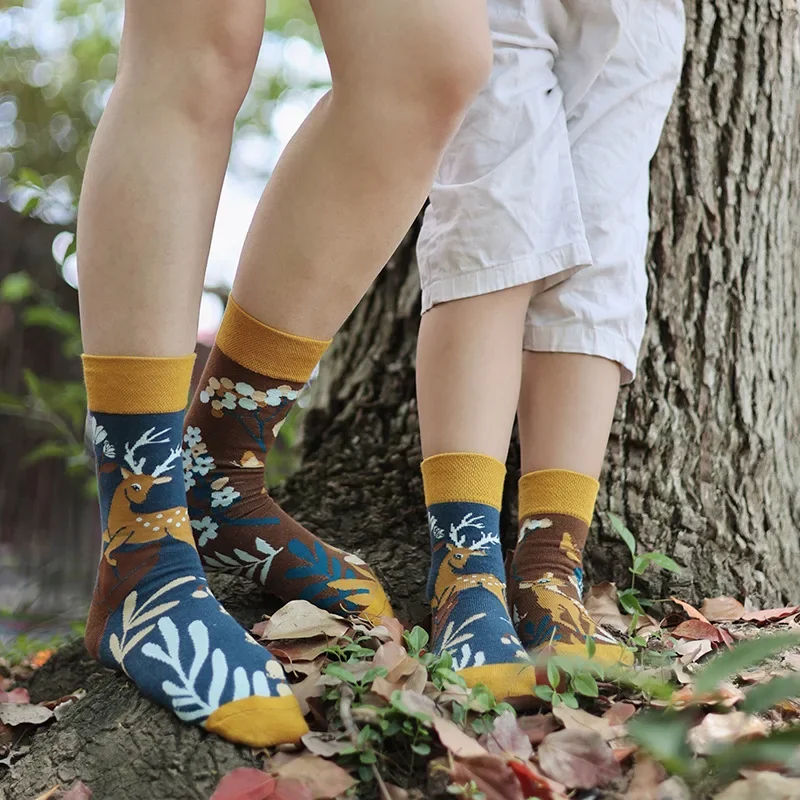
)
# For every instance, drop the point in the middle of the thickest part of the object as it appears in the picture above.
(30, 176)
(338, 671)
(48, 450)
(544, 692)
(368, 757)
(16, 287)
(32, 383)
(568, 699)
(741, 657)
(630, 602)
(56, 319)
(501, 708)
(416, 639)
(780, 748)
(365, 774)
(481, 725)
(766, 695)
(11, 402)
(665, 736)
(586, 685)
(421, 748)
(553, 675)
(71, 248)
(640, 564)
(665, 562)
(591, 646)
(619, 526)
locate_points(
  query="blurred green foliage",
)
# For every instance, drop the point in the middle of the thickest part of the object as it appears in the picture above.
(58, 60)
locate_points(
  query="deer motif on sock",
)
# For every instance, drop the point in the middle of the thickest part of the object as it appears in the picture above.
(451, 578)
(128, 526)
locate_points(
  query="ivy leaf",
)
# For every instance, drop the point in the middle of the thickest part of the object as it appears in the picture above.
(619, 526)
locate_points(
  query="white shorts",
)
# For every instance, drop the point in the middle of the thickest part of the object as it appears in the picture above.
(547, 181)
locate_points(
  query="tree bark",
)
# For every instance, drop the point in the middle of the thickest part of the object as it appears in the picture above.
(705, 450)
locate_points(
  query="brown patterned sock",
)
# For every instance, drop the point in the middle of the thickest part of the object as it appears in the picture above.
(249, 385)
(546, 576)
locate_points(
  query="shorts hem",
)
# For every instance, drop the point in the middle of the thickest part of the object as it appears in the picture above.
(551, 267)
(586, 341)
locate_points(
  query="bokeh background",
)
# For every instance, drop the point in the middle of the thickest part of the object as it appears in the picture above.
(58, 61)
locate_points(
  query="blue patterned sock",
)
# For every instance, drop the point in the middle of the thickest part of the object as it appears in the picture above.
(153, 615)
(466, 585)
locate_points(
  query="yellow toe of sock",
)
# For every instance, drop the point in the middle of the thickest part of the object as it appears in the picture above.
(259, 721)
(504, 681)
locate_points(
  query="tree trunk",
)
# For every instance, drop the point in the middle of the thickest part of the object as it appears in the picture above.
(705, 449)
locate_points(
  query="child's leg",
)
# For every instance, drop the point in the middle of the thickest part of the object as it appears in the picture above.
(147, 208)
(341, 198)
(582, 334)
(503, 222)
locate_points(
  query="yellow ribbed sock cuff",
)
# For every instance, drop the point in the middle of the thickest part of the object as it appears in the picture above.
(137, 385)
(266, 350)
(463, 478)
(557, 491)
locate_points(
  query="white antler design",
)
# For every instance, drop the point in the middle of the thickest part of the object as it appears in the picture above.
(148, 437)
(486, 538)
(438, 533)
(469, 521)
(166, 466)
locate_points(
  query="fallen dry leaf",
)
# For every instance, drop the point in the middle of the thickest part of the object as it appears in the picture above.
(691, 650)
(624, 753)
(673, 788)
(24, 714)
(326, 745)
(49, 793)
(455, 740)
(722, 609)
(244, 783)
(697, 629)
(299, 619)
(764, 786)
(770, 615)
(689, 609)
(722, 729)
(325, 779)
(19, 696)
(726, 695)
(418, 705)
(396, 792)
(307, 688)
(394, 627)
(792, 660)
(507, 738)
(291, 789)
(601, 603)
(538, 726)
(578, 759)
(645, 778)
(395, 660)
(578, 719)
(299, 649)
(492, 775)
(754, 675)
(619, 713)
(78, 791)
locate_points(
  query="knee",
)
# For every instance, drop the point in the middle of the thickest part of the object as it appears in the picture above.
(203, 74)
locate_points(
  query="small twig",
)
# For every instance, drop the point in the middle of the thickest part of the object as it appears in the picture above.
(352, 730)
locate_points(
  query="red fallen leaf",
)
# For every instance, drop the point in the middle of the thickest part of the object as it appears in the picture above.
(19, 696)
(244, 783)
(726, 637)
(624, 753)
(78, 791)
(689, 609)
(41, 657)
(492, 775)
(697, 629)
(325, 779)
(537, 727)
(290, 789)
(770, 615)
(579, 759)
(722, 609)
(619, 713)
(533, 785)
(507, 738)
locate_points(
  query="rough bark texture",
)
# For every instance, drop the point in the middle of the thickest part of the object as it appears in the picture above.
(705, 452)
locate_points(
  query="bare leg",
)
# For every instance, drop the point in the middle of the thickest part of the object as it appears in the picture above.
(155, 172)
(468, 373)
(357, 172)
(566, 407)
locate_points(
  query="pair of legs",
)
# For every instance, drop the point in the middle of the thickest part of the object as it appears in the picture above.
(532, 260)
(565, 401)
(342, 196)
